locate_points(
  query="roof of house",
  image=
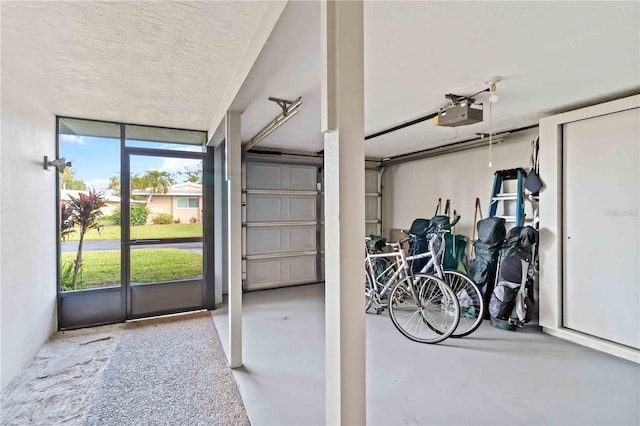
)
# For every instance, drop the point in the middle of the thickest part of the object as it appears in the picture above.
(183, 189)
(65, 193)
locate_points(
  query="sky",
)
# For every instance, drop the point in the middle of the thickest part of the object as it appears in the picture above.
(95, 160)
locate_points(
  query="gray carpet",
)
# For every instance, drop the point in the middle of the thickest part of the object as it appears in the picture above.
(171, 371)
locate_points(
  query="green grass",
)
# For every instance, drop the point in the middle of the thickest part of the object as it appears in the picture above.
(101, 268)
(112, 232)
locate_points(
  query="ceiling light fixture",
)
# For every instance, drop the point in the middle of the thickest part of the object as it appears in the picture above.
(493, 98)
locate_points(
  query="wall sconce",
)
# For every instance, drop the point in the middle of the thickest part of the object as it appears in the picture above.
(59, 163)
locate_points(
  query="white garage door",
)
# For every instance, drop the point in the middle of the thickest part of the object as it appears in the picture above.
(373, 202)
(282, 221)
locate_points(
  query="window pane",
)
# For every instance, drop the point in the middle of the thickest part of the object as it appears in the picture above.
(161, 190)
(158, 138)
(94, 151)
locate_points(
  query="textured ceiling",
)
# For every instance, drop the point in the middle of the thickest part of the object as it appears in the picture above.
(552, 56)
(158, 63)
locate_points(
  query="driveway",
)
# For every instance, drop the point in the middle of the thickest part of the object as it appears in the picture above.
(91, 245)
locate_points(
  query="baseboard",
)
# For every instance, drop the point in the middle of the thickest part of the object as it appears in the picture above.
(611, 348)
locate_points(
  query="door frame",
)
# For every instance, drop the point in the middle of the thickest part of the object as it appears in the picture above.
(125, 231)
(101, 306)
(552, 231)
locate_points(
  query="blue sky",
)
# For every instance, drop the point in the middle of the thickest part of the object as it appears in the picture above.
(95, 160)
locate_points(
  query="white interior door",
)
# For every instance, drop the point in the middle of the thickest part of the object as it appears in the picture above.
(601, 289)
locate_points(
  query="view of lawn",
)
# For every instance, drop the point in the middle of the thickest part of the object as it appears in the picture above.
(102, 268)
(112, 232)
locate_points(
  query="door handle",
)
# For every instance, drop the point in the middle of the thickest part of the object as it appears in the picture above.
(144, 241)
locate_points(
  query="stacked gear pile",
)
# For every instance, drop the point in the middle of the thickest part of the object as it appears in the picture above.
(482, 270)
(511, 304)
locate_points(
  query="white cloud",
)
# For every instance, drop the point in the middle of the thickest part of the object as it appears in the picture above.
(98, 184)
(76, 139)
(173, 165)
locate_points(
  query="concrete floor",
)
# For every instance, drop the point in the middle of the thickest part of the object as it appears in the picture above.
(492, 377)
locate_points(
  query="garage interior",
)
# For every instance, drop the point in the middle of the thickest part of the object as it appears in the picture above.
(566, 73)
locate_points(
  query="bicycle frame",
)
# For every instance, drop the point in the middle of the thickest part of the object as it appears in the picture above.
(402, 262)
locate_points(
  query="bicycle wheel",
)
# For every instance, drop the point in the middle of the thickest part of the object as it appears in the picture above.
(470, 301)
(368, 291)
(424, 309)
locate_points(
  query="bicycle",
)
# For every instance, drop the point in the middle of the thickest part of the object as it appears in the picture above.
(468, 294)
(421, 306)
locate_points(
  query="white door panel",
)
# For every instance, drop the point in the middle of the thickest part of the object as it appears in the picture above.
(263, 240)
(280, 272)
(281, 176)
(601, 289)
(280, 208)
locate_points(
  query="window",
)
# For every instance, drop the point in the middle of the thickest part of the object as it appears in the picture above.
(188, 203)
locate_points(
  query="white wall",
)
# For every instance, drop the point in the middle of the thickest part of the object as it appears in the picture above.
(412, 189)
(27, 229)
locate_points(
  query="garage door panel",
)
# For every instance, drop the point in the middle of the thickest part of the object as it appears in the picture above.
(301, 238)
(371, 229)
(281, 176)
(285, 239)
(371, 208)
(371, 181)
(264, 208)
(302, 208)
(278, 208)
(264, 176)
(303, 178)
(264, 271)
(280, 272)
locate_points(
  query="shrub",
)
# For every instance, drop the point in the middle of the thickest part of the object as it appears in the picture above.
(139, 215)
(66, 276)
(193, 220)
(176, 220)
(162, 219)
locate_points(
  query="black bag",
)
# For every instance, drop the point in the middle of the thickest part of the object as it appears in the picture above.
(418, 242)
(532, 182)
(491, 232)
(510, 307)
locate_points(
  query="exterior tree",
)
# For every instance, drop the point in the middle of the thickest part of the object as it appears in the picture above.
(114, 185)
(86, 214)
(191, 174)
(155, 182)
(69, 181)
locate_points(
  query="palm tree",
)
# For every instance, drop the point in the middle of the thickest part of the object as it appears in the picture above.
(156, 182)
(86, 213)
(114, 185)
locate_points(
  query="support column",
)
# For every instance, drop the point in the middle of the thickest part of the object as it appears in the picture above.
(234, 175)
(343, 128)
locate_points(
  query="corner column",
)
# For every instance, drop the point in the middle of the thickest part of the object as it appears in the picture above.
(343, 128)
(234, 175)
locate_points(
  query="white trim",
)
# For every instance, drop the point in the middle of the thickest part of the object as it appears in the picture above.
(234, 167)
(592, 342)
(551, 232)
